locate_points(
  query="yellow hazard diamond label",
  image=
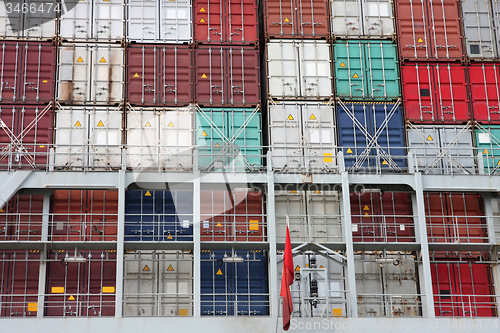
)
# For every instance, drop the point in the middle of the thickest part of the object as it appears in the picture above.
(146, 269)
(77, 124)
(148, 124)
(202, 20)
(170, 268)
(497, 165)
(71, 298)
(355, 76)
(297, 268)
(312, 117)
(486, 151)
(136, 75)
(204, 76)
(217, 145)
(385, 162)
(100, 124)
(148, 194)
(102, 60)
(218, 224)
(170, 124)
(321, 266)
(349, 151)
(366, 208)
(202, 9)
(219, 272)
(290, 117)
(429, 138)
(342, 64)
(420, 40)
(367, 215)
(286, 19)
(169, 237)
(204, 133)
(1, 210)
(79, 59)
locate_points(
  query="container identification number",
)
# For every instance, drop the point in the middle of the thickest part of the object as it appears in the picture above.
(32, 8)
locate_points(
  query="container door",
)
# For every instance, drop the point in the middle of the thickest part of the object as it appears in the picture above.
(320, 136)
(397, 220)
(378, 18)
(495, 5)
(488, 142)
(34, 24)
(174, 81)
(215, 286)
(142, 74)
(243, 77)
(102, 213)
(210, 74)
(413, 35)
(324, 216)
(251, 284)
(143, 138)
(108, 20)
(176, 139)
(217, 211)
(28, 210)
(484, 80)
(451, 93)
(176, 21)
(349, 67)
(368, 285)
(241, 16)
(445, 29)
(479, 30)
(466, 216)
(315, 69)
(76, 24)
(382, 70)
(9, 76)
(140, 284)
(143, 19)
(140, 215)
(210, 21)
(249, 224)
(282, 69)
(352, 135)
(63, 288)
(458, 156)
(292, 203)
(107, 75)
(105, 138)
(245, 133)
(285, 132)
(437, 214)
(363, 216)
(418, 92)
(312, 18)
(345, 18)
(402, 280)
(71, 137)
(443, 287)
(423, 142)
(69, 215)
(100, 285)
(175, 214)
(175, 283)
(210, 137)
(74, 78)
(37, 73)
(280, 18)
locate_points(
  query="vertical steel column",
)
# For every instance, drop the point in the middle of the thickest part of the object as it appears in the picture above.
(274, 298)
(41, 277)
(490, 221)
(120, 244)
(495, 270)
(196, 236)
(45, 218)
(421, 232)
(347, 231)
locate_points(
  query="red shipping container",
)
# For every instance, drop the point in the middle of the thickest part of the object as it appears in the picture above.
(19, 283)
(28, 129)
(435, 93)
(26, 217)
(297, 18)
(484, 82)
(382, 218)
(221, 222)
(84, 215)
(159, 75)
(227, 76)
(81, 289)
(455, 218)
(27, 72)
(461, 289)
(429, 30)
(221, 22)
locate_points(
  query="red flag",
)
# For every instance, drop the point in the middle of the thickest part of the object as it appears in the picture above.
(286, 282)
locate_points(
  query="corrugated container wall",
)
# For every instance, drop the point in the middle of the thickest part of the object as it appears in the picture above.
(21, 218)
(479, 29)
(488, 143)
(362, 19)
(484, 80)
(30, 24)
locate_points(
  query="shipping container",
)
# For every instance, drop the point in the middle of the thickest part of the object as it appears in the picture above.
(90, 73)
(488, 143)
(27, 72)
(366, 70)
(234, 288)
(84, 215)
(495, 5)
(303, 136)
(222, 22)
(442, 149)
(227, 75)
(158, 283)
(495, 207)
(429, 30)
(479, 29)
(37, 21)
(455, 218)
(159, 75)
(19, 283)
(229, 138)
(327, 273)
(93, 20)
(387, 285)
(21, 218)
(372, 135)
(25, 136)
(313, 216)
(160, 138)
(159, 21)
(485, 97)
(296, 19)
(463, 287)
(299, 69)
(88, 137)
(158, 216)
(232, 216)
(435, 93)
(382, 217)
(362, 18)
(80, 289)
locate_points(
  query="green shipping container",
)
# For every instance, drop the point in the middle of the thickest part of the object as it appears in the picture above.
(488, 142)
(229, 138)
(366, 70)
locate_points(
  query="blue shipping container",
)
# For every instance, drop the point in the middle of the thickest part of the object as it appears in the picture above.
(234, 288)
(158, 216)
(372, 130)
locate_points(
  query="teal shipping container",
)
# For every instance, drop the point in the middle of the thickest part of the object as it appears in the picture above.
(366, 70)
(229, 138)
(488, 143)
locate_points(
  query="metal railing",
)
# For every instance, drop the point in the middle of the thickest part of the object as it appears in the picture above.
(330, 303)
(383, 228)
(316, 228)
(157, 305)
(452, 305)
(234, 304)
(389, 305)
(79, 305)
(464, 229)
(18, 305)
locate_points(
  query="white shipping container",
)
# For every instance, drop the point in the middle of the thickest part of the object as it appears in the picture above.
(90, 73)
(362, 18)
(88, 137)
(299, 69)
(159, 21)
(496, 18)
(303, 136)
(160, 138)
(34, 24)
(99, 20)
(479, 29)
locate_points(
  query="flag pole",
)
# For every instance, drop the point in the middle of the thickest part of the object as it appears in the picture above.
(288, 221)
